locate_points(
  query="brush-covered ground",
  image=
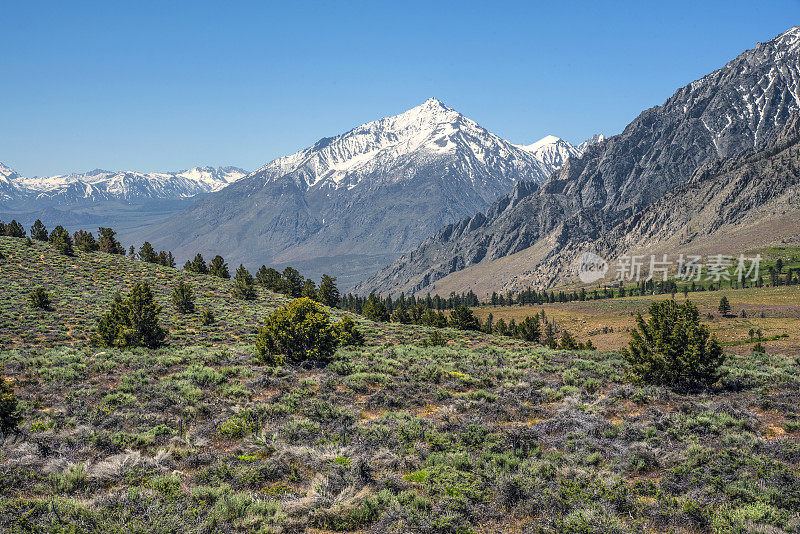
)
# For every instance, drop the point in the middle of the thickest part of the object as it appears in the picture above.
(485, 434)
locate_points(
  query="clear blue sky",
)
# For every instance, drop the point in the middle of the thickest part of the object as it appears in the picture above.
(168, 85)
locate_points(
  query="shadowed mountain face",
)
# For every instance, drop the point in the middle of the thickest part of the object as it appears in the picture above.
(349, 204)
(742, 106)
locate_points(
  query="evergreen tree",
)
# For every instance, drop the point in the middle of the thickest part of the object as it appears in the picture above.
(672, 348)
(108, 243)
(40, 299)
(170, 260)
(183, 298)
(10, 414)
(269, 278)
(243, 284)
(529, 329)
(85, 241)
(61, 240)
(567, 341)
(374, 310)
(147, 253)
(38, 231)
(292, 282)
(462, 318)
(218, 267)
(297, 332)
(198, 265)
(328, 293)
(401, 315)
(309, 290)
(208, 317)
(132, 321)
(500, 327)
(724, 306)
(488, 326)
(15, 229)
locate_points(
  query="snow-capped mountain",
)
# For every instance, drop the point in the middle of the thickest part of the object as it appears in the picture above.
(593, 140)
(427, 133)
(552, 151)
(100, 185)
(9, 189)
(351, 201)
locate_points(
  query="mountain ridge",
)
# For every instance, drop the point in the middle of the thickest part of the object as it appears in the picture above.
(742, 105)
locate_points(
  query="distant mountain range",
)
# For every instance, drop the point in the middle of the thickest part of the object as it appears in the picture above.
(531, 235)
(351, 203)
(99, 185)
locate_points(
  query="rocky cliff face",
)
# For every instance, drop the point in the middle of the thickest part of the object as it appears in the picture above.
(742, 106)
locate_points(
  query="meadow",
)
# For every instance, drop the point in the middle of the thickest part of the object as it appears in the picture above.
(482, 434)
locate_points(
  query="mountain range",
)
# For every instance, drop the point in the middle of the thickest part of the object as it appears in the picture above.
(530, 236)
(99, 185)
(349, 204)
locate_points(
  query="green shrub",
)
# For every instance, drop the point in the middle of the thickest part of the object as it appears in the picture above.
(132, 322)
(183, 298)
(672, 348)
(10, 415)
(40, 299)
(297, 332)
(208, 317)
(61, 241)
(347, 332)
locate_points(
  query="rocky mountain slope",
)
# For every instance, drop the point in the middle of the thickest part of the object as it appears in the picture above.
(99, 185)
(742, 106)
(348, 204)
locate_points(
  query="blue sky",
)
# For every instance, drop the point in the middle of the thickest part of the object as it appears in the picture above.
(169, 85)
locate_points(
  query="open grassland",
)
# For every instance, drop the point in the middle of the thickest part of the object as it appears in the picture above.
(485, 434)
(607, 322)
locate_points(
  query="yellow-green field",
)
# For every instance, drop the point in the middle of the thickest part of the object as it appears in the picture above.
(607, 322)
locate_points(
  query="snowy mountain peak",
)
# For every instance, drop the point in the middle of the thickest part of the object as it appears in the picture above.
(429, 132)
(551, 150)
(7, 174)
(593, 140)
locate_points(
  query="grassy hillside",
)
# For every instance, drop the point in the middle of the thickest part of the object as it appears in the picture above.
(484, 434)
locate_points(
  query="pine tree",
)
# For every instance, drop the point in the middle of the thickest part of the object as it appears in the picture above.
(462, 318)
(218, 267)
(243, 284)
(40, 299)
(567, 341)
(85, 241)
(724, 306)
(133, 321)
(61, 241)
(15, 229)
(199, 265)
(208, 317)
(328, 293)
(292, 282)
(147, 253)
(529, 329)
(672, 348)
(374, 309)
(269, 278)
(10, 414)
(183, 298)
(108, 242)
(309, 290)
(38, 231)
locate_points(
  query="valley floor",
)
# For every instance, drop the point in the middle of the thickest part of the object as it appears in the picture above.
(607, 322)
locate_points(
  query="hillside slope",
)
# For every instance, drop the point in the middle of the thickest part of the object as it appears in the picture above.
(742, 106)
(483, 434)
